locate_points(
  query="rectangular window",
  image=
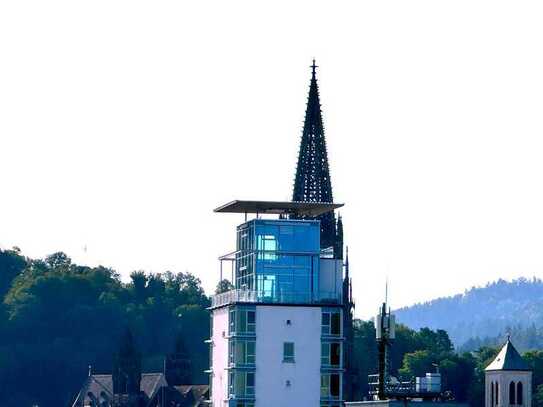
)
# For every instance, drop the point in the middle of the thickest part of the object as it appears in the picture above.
(241, 352)
(231, 384)
(249, 384)
(325, 323)
(331, 323)
(336, 324)
(250, 353)
(242, 321)
(288, 352)
(251, 321)
(267, 245)
(325, 385)
(241, 384)
(330, 385)
(334, 385)
(231, 352)
(330, 354)
(335, 354)
(232, 321)
(325, 354)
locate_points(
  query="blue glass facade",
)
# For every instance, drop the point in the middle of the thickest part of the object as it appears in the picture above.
(278, 259)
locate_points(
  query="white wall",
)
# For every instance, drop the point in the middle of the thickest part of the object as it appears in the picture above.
(330, 276)
(504, 378)
(220, 356)
(271, 373)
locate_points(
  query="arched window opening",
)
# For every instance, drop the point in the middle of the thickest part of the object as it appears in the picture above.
(512, 398)
(497, 393)
(492, 394)
(519, 394)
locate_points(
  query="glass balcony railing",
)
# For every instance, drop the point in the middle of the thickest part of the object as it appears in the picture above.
(254, 297)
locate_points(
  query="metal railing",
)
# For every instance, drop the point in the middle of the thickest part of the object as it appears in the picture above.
(403, 389)
(248, 296)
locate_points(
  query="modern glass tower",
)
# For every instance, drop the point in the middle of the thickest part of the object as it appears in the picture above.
(277, 336)
(282, 336)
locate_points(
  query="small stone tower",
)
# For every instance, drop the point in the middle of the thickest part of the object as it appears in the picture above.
(508, 380)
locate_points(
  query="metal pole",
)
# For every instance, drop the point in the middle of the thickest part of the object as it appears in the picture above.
(382, 348)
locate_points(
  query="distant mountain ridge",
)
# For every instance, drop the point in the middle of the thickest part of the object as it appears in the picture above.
(481, 313)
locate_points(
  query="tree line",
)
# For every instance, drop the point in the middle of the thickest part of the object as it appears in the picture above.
(57, 318)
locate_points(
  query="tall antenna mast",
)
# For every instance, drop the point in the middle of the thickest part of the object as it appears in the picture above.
(386, 290)
(385, 332)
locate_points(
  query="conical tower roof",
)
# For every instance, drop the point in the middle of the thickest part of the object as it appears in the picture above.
(312, 180)
(508, 359)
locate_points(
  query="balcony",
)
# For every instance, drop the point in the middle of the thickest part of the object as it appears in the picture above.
(254, 297)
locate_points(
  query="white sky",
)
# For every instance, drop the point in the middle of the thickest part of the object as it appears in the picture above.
(124, 123)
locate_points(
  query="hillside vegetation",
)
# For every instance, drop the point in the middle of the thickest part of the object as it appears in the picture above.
(483, 315)
(57, 318)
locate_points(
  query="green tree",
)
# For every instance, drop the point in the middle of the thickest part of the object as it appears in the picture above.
(61, 317)
(417, 363)
(11, 265)
(457, 372)
(224, 286)
(538, 396)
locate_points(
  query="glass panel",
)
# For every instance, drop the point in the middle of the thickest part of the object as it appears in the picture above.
(240, 352)
(288, 352)
(325, 323)
(244, 272)
(267, 247)
(250, 353)
(240, 384)
(334, 385)
(231, 382)
(251, 321)
(335, 352)
(232, 321)
(325, 354)
(336, 324)
(243, 321)
(284, 266)
(250, 384)
(325, 385)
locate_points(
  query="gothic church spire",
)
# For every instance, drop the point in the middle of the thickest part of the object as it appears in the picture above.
(312, 181)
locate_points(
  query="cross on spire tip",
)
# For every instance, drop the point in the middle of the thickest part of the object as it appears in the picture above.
(314, 68)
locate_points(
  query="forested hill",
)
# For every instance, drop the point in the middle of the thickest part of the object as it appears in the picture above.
(482, 313)
(57, 318)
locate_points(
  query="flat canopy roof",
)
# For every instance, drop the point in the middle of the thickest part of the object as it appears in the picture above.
(278, 208)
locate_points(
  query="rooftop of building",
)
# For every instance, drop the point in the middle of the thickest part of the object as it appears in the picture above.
(508, 358)
(100, 386)
(311, 209)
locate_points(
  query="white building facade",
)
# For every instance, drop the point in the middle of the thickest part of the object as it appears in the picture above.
(508, 380)
(277, 337)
